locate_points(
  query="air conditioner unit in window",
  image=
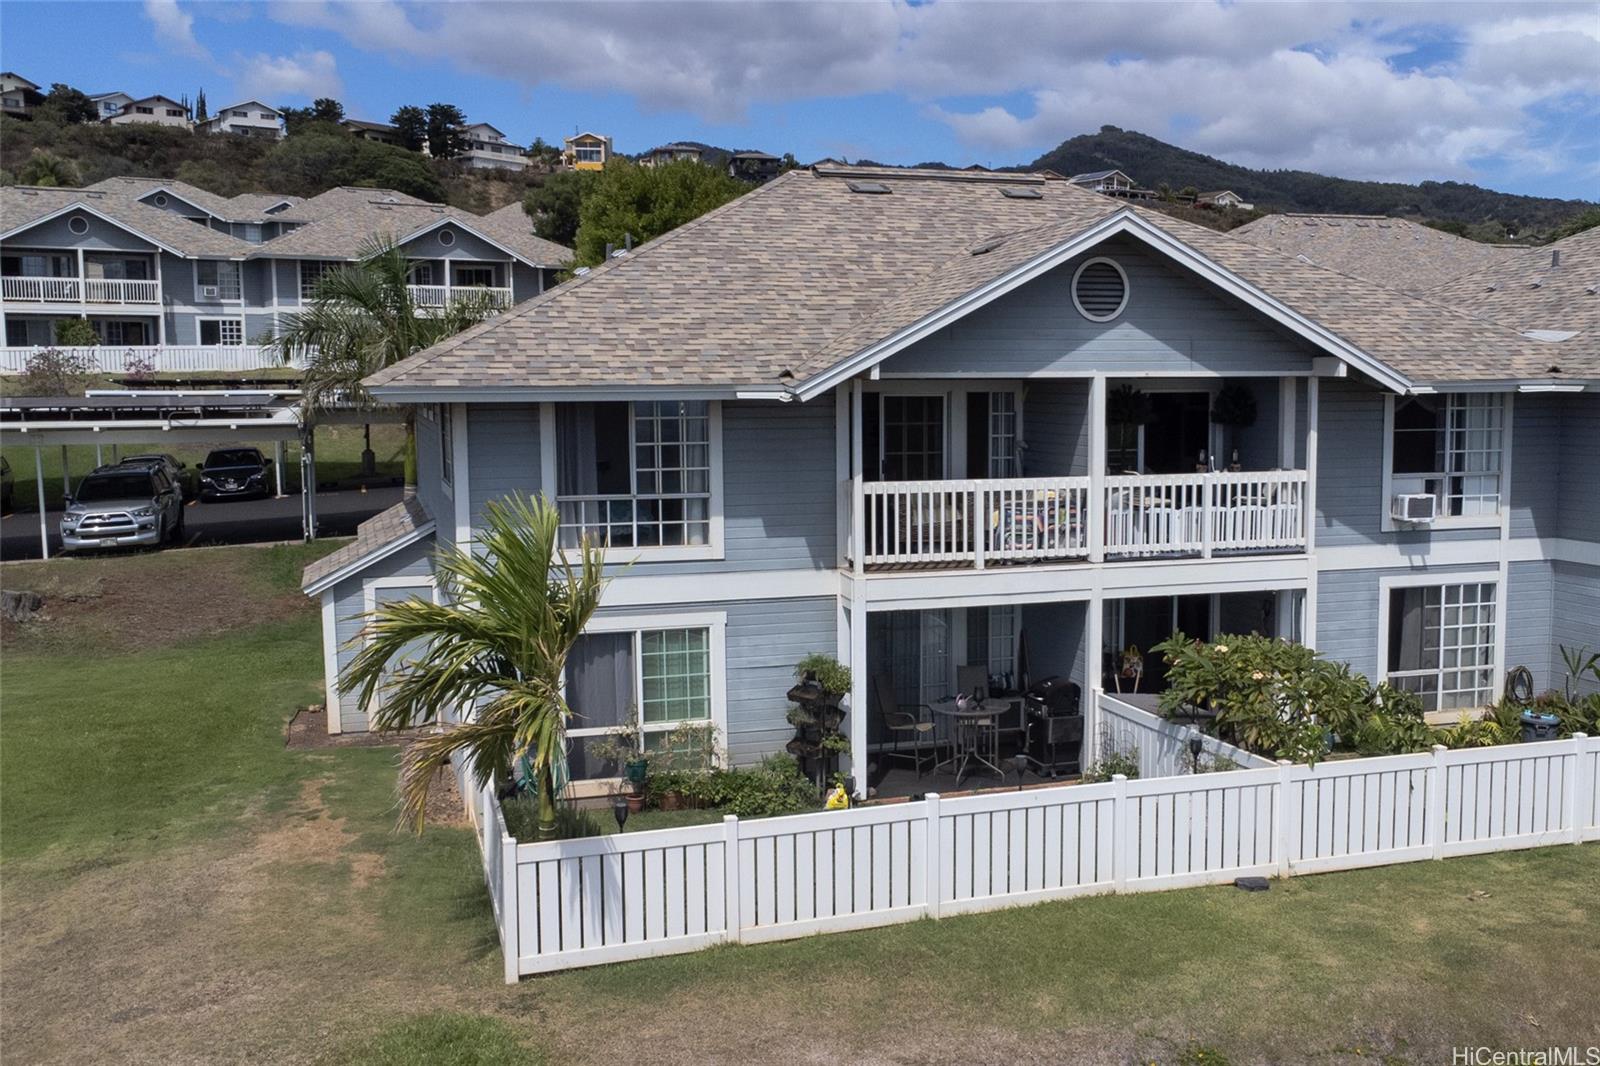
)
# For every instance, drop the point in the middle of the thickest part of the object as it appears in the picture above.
(211, 291)
(1421, 507)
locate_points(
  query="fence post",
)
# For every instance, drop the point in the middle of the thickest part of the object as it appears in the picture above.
(509, 907)
(1120, 823)
(930, 810)
(1285, 816)
(1436, 821)
(1208, 488)
(731, 880)
(1583, 786)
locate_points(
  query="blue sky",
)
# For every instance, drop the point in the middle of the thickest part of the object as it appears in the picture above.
(1504, 95)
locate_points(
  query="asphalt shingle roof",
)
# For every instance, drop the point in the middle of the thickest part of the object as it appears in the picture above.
(1549, 288)
(1395, 252)
(20, 205)
(376, 533)
(790, 279)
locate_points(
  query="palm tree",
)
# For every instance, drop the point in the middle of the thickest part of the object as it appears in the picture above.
(362, 319)
(512, 610)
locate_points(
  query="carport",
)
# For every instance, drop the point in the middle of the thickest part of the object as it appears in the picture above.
(110, 419)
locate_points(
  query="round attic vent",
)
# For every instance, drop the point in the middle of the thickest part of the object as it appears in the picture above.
(447, 237)
(160, 199)
(1100, 290)
(78, 224)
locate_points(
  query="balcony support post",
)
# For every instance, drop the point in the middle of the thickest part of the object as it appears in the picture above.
(1208, 491)
(858, 514)
(1097, 469)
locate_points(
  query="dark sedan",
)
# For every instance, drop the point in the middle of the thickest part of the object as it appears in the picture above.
(235, 474)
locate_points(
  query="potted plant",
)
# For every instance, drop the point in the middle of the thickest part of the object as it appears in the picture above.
(622, 748)
(1233, 409)
(1127, 408)
(822, 682)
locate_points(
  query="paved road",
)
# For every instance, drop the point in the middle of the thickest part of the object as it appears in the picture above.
(234, 522)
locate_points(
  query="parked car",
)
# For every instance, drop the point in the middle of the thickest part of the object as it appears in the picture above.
(234, 473)
(176, 470)
(8, 484)
(116, 506)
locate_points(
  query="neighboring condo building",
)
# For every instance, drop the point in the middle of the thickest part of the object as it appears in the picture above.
(251, 118)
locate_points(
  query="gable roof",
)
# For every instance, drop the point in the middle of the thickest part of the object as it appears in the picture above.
(1095, 175)
(1396, 252)
(22, 83)
(1552, 288)
(25, 206)
(385, 533)
(776, 289)
(151, 99)
(257, 104)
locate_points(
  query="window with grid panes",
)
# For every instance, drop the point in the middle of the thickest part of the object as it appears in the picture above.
(1450, 446)
(1441, 644)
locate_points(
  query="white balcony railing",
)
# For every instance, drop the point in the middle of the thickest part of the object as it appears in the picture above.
(157, 358)
(121, 291)
(978, 522)
(433, 297)
(42, 290)
(974, 521)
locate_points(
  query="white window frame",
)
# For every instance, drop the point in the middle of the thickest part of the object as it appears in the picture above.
(1494, 578)
(1494, 520)
(588, 154)
(445, 417)
(369, 603)
(322, 265)
(716, 622)
(222, 320)
(714, 546)
(220, 264)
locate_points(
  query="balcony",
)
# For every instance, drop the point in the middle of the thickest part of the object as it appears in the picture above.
(97, 291)
(438, 297)
(913, 525)
(156, 358)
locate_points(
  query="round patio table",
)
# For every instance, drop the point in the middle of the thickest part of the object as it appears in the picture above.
(977, 735)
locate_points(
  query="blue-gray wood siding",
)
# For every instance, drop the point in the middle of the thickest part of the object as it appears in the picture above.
(1055, 425)
(1350, 503)
(765, 640)
(349, 603)
(1256, 443)
(1578, 505)
(1529, 615)
(1576, 617)
(1173, 323)
(1536, 461)
(466, 248)
(430, 490)
(1057, 641)
(101, 235)
(502, 453)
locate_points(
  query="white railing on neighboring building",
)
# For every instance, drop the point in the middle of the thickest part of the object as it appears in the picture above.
(973, 522)
(80, 290)
(121, 291)
(427, 297)
(606, 899)
(158, 358)
(41, 290)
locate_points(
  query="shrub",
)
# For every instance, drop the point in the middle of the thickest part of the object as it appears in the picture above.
(53, 372)
(1473, 733)
(1271, 696)
(75, 333)
(1112, 761)
(521, 813)
(774, 787)
(1393, 725)
(831, 674)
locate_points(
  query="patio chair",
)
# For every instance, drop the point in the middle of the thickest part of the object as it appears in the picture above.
(915, 726)
(972, 679)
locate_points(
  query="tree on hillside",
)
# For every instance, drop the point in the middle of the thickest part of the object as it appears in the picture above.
(68, 106)
(544, 153)
(322, 156)
(200, 113)
(554, 205)
(47, 168)
(411, 126)
(446, 124)
(326, 109)
(628, 200)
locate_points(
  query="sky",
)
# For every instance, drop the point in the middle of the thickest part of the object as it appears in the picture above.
(1505, 95)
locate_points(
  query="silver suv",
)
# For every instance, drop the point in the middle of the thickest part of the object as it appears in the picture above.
(122, 505)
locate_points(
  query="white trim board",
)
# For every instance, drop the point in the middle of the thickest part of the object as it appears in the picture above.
(1124, 221)
(1496, 577)
(354, 567)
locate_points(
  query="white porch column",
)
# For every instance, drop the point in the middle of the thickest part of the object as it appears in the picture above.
(1309, 624)
(1097, 468)
(858, 548)
(1288, 394)
(859, 757)
(1094, 639)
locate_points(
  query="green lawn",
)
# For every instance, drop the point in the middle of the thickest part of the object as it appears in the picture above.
(179, 887)
(338, 460)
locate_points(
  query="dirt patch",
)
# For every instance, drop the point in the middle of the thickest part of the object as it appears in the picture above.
(157, 602)
(308, 730)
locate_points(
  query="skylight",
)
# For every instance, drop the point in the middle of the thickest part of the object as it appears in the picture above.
(873, 187)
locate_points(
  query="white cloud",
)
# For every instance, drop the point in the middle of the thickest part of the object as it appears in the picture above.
(1366, 89)
(174, 28)
(271, 78)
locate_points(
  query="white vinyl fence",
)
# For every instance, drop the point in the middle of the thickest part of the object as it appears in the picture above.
(604, 899)
(1163, 746)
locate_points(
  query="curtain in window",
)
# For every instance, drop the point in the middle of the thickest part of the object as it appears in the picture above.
(577, 472)
(600, 680)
